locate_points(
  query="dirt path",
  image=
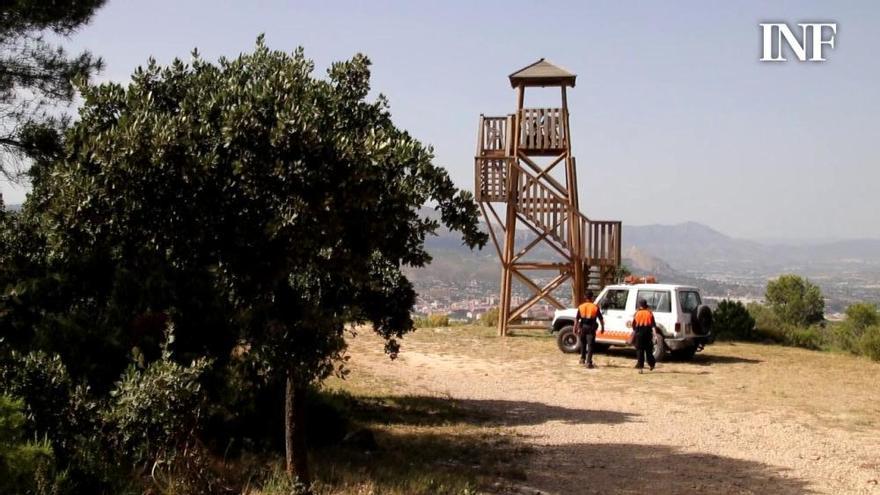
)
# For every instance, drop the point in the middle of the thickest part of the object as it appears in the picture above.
(739, 419)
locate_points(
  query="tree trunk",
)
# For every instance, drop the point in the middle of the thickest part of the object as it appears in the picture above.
(295, 429)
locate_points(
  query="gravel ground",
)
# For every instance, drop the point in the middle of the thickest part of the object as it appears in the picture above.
(738, 419)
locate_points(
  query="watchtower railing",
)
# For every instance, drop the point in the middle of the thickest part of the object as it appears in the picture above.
(495, 138)
(491, 174)
(601, 240)
(542, 130)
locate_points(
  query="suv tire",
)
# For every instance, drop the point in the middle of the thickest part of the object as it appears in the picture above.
(701, 319)
(567, 340)
(659, 347)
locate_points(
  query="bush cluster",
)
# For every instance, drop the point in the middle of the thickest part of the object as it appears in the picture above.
(432, 321)
(858, 334)
(149, 421)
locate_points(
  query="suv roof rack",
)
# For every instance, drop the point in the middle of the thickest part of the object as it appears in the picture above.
(632, 280)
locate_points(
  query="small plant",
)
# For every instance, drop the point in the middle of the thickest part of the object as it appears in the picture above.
(489, 318)
(279, 483)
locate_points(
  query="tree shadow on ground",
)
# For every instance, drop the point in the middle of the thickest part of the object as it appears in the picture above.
(418, 410)
(520, 413)
(633, 468)
(429, 445)
(419, 461)
(710, 359)
(700, 359)
(418, 457)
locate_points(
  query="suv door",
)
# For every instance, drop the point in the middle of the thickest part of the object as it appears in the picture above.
(613, 304)
(660, 302)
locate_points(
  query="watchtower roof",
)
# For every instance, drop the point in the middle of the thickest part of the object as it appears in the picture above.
(542, 73)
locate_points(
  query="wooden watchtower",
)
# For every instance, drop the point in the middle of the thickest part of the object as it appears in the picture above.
(526, 185)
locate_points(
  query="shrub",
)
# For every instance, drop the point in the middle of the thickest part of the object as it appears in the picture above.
(795, 300)
(489, 318)
(277, 482)
(25, 467)
(869, 343)
(432, 321)
(806, 337)
(733, 321)
(55, 407)
(847, 335)
(769, 327)
(154, 415)
(68, 418)
(844, 337)
(767, 324)
(862, 315)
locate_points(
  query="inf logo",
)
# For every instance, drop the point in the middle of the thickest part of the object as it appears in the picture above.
(814, 37)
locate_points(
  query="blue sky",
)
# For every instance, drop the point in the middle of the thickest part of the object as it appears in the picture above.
(670, 97)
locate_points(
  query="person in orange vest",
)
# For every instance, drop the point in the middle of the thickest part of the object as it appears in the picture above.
(643, 328)
(585, 324)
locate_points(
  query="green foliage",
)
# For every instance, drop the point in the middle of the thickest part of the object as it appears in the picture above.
(35, 74)
(278, 483)
(489, 318)
(731, 320)
(297, 195)
(67, 417)
(862, 315)
(433, 320)
(795, 300)
(155, 410)
(25, 466)
(770, 327)
(806, 337)
(56, 408)
(869, 343)
(848, 335)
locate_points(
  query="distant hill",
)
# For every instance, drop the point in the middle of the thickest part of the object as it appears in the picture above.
(696, 247)
(692, 247)
(13, 207)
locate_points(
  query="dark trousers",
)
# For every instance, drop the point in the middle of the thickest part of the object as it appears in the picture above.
(588, 342)
(644, 347)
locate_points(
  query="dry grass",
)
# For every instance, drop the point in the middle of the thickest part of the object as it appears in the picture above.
(739, 377)
(435, 443)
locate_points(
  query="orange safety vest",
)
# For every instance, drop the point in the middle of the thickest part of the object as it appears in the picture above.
(588, 310)
(643, 318)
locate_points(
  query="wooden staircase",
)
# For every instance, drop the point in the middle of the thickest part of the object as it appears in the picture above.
(539, 205)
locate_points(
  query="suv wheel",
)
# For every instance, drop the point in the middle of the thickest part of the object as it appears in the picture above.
(567, 340)
(659, 347)
(701, 319)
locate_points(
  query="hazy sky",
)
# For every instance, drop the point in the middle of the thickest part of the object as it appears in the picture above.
(673, 117)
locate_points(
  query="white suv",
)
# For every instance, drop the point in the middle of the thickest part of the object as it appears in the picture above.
(685, 323)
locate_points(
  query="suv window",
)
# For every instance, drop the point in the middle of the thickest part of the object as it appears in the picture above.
(658, 300)
(614, 300)
(689, 300)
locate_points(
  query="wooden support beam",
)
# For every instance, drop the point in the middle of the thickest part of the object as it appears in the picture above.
(536, 289)
(491, 229)
(550, 287)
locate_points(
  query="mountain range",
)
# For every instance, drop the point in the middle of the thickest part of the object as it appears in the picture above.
(692, 253)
